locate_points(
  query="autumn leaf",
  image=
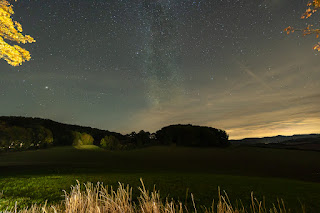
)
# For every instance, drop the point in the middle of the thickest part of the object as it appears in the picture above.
(313, 7)
(12, 31)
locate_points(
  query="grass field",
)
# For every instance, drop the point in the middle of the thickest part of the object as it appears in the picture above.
(36, 176)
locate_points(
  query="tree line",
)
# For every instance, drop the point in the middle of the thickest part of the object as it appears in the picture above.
(22, 133)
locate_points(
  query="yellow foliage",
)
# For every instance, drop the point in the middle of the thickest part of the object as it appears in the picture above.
(10, 30)
(313, 7)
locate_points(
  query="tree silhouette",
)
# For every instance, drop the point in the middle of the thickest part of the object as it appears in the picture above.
(190, 135)
(313, 7)
(12, 31)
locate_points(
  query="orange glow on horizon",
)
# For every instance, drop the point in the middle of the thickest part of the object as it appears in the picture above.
(308, 126)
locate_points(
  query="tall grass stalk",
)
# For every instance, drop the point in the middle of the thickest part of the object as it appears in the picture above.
(100, 199)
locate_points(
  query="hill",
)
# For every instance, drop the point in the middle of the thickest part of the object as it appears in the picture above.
(274, 139)
(309, 142)
(23, 133)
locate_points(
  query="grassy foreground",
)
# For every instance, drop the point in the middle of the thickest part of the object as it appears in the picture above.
(36, 176)
(100, 199)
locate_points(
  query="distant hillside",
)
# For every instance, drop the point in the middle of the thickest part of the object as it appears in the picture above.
(23, 133)
(274, 139)
(312, 143)
(300, 142)
(62, 133)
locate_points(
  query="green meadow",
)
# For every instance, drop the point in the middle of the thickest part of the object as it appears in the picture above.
(272, 174)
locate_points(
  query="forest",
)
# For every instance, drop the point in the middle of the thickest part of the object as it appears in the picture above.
(22, 133)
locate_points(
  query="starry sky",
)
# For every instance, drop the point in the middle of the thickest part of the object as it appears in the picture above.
(127, 65)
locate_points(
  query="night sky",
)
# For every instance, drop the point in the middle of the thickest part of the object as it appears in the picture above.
(127, 65)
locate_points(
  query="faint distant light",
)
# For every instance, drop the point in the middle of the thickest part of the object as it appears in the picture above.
(46, 87)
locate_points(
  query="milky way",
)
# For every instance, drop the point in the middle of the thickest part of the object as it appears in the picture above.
(160, 51)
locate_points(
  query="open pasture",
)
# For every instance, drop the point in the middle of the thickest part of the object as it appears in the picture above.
(36, 176)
